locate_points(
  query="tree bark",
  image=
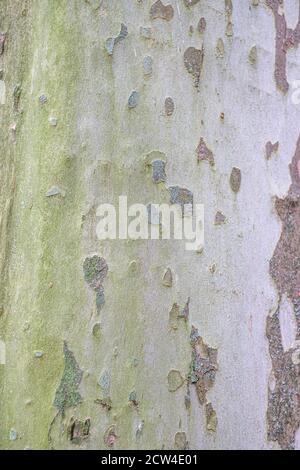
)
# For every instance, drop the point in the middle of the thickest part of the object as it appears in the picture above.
(142, 344)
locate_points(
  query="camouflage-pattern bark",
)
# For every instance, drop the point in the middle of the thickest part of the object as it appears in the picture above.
(142, 344)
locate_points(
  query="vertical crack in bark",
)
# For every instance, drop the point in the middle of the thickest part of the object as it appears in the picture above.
(285, 38)
(283, 413)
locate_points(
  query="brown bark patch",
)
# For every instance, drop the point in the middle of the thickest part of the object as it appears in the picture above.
(271, 148)
(169, 106)
(203, 367)
(2, 42)
(283, 413)
(159, 10)
(285, 38)
(228, 17)
(220, 218)
(180, 441)
(235, 179)
(193, 61)
(201, 25)
(79, 430)
(211, 418)
(204, 153)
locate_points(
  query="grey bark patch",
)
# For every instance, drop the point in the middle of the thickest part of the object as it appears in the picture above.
(100, 299)
(235, 179)
(285, 38)
(147, 65)
(193, 61)
(110, 43)
(220, 218)
(180, 441)
(146, 32)
(38, 354)
(133, 399)
(159, 10)
(139, 429)
(169, 106)
(78, 430)
(187, 399)
(55, 191)
(204, 153)
(52, 121)
(271, 148)
(203, 366)
(167, 278)
(158, 171)
(2, 42)
(133, 100)
(67, 394)
(13, 435)
(201, 27)
(175, 380)
(43, 99)
(104, 382)
(190, 3)
(180, 196)
(211, 418)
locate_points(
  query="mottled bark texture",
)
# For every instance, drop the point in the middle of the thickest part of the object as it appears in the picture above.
(141, 344)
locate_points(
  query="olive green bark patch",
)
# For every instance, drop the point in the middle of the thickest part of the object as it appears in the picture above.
(67, 394)
(95, 270)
